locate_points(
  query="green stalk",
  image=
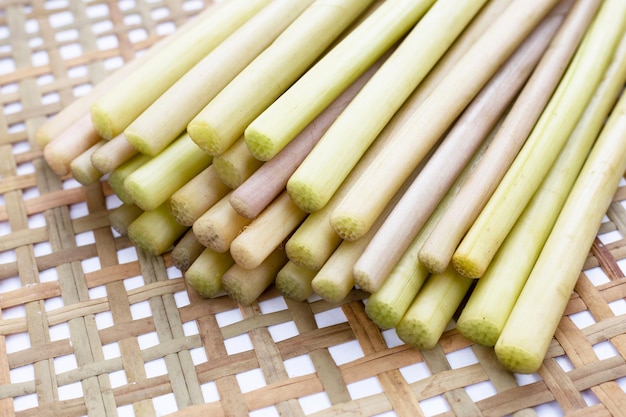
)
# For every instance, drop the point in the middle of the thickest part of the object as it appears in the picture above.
(294, 281)
(236, 164)
(524, 341)
(124, 102)
(155, 231)
(281, 122)
(154, 182)
(151, 132)
(118, 176)
(493, 298)
(510, 137)
(223, 120)
(433, 308)
(204, 275)
(542, 147)
(246, 285)
(198, 195)
(395, 163)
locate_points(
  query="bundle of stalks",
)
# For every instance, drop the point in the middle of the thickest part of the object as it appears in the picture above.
(406, 148)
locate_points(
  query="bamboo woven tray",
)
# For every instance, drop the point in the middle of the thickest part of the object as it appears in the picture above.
(91, 326)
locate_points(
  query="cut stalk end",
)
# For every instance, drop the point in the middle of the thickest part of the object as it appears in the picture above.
(140, 143)
(467, 267)
(206, 137)
(305, 196)
(479, 330)
(384, 315)
(518, 360)
(101, 122)
(261, 146)
(348, 227)
(417, 333)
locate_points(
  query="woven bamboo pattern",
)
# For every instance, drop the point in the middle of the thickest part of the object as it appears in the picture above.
(91, 326)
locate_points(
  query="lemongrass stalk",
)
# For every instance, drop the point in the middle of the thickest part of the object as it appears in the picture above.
(523, 344)
(154, 182)
(236, 164)
(393, 293)
(118, 176)
(198, 195)
(281, 122)
(219, 225)
(79, 107)
(112, 154)
(81, 168)
(69, 144)
(246, 285)
(204, 275)
(435, 115)
(266, 232)
(494, 296)
(446, 163)
(294, 281)
(151, 132)
(432, 309)
(515, 129)
(155, 231)
(186, 250)
(223, 120)
(542, 147)
(348, 138)
(115, 110)
(254, 194)
(335, 278)
(121, 217)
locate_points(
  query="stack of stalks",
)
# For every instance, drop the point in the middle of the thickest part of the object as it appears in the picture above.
(452, 159)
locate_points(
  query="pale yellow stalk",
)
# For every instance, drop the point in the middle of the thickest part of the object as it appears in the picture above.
(69, 144)
(236, 164)
(204, 275)
(112, 154)
(198, 195)
(246, 285)
(266, 232)
(223, 120)
(523, 343)
(81, 168)
(294, 281)
(433, 308)
(219, 225)
(150, 132)
(116, 109)
(519, 122)
(542, 147)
